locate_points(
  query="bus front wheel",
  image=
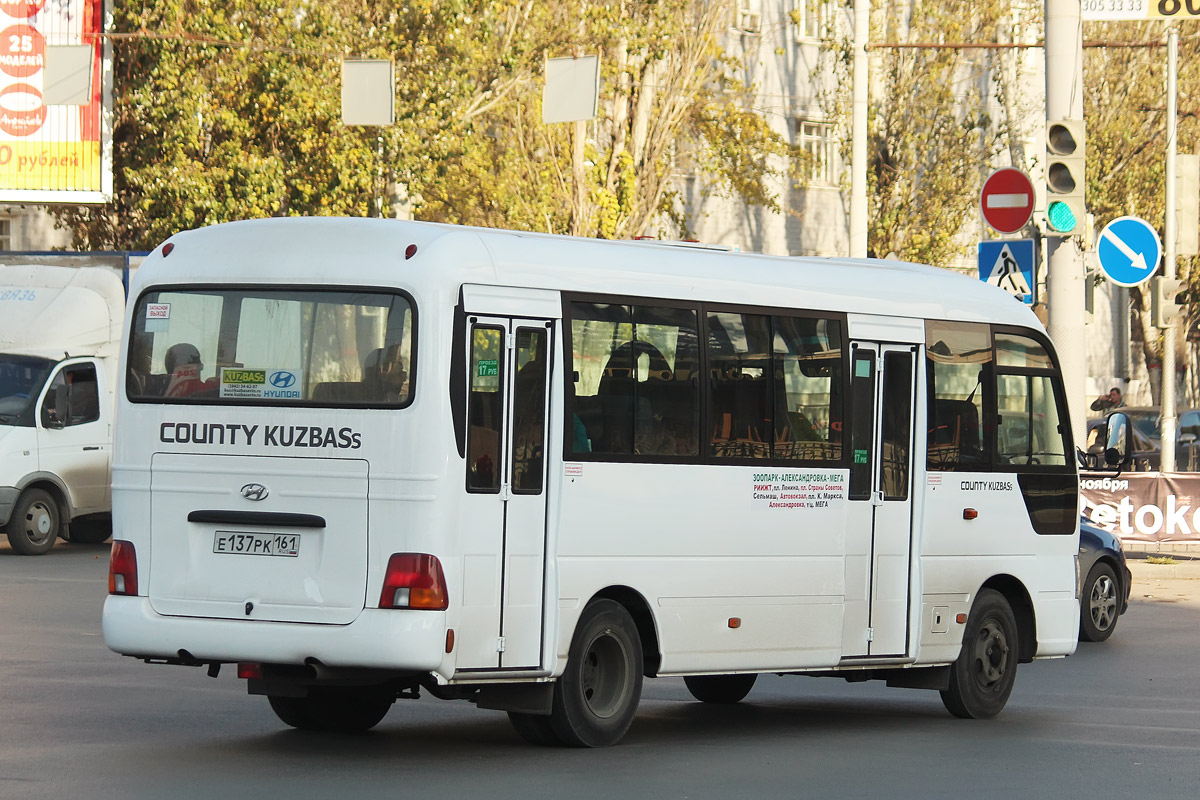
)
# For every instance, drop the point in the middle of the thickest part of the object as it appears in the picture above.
(598, 693)
(333, 709)
(982, 678)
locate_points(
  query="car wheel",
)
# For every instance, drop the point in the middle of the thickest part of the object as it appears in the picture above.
(1099, 602)
(334, 709)
(597, 695)
(982, 677)
(34, 523)
(720, 689)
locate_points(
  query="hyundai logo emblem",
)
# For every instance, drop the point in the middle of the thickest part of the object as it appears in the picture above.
(282, 379)
(255, 491)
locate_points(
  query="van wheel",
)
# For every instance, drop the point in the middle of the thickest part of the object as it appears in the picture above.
(598, 694)
(720, 689)
(334, 709)
(982, 677)
(34, 524)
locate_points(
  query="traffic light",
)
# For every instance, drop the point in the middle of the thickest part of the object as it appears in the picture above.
(1065, 213)
(1166, 301)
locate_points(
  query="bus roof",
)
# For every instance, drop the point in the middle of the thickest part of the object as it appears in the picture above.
(318, 249)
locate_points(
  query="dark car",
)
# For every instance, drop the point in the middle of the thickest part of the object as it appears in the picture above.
(1106, 582)
(1147, 437)
(1146, 452)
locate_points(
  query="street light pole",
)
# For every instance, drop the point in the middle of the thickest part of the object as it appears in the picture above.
(858, 144)
(1167, 376)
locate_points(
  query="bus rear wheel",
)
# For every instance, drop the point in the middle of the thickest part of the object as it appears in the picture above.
(720, 689)
(89, 531)
(333, 709)
(598, 694)
(982, 677)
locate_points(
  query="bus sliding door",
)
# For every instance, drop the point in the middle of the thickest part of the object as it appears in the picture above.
(879, 533)
(503, 513)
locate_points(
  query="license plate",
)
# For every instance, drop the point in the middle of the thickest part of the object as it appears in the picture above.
(257, 544)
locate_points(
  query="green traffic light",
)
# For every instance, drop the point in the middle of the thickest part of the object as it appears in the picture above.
(1061, 217)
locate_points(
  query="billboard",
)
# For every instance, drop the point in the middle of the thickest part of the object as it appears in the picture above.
(58, 151)
(1143, 506)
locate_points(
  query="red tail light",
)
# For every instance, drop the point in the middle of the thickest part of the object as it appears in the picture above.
(414, 580)
(122, 568)
(248, 670)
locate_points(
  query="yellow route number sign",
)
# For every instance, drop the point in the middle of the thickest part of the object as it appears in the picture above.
(1102, 10)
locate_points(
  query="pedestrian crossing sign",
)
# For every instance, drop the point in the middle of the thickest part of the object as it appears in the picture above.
(1009, 264)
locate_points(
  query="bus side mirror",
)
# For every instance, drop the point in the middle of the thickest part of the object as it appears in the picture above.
(1118, 441)
(50, 417)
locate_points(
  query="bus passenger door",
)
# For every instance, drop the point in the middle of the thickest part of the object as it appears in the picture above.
(504, 514)
(879, 533)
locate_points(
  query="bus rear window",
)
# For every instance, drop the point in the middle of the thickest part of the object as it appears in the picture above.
(258, 346)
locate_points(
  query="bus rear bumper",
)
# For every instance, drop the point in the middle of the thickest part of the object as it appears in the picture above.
(379, 638)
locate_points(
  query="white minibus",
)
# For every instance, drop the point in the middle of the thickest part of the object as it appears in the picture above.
(361, 458)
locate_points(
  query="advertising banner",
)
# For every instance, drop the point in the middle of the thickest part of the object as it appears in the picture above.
(52, 153)
(1144, 506)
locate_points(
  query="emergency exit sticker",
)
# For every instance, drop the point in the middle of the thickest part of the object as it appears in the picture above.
(158, 317)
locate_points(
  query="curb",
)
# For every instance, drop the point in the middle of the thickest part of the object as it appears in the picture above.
(1183, 567)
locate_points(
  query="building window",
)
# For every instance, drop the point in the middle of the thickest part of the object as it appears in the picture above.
(813, 18)
(747, 20)
(816, 139)
(5, 233)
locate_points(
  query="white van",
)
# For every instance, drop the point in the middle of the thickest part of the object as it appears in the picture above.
(60, 329)
(363, 459)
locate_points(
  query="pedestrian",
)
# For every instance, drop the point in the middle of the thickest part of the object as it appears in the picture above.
(1107, 402)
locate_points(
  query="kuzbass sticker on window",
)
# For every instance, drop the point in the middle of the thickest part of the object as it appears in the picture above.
(260, 384)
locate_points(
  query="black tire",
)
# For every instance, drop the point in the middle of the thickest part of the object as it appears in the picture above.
(721, 689)
(334, 709)
(597, 696)
(34, 523)
(89, 531)
(982, 677)
(1099, 604)
(534, 728)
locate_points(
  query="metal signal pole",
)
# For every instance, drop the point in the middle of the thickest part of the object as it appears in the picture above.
(1066, 275)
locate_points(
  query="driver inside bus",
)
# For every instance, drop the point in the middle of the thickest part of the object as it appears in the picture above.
(386, 373)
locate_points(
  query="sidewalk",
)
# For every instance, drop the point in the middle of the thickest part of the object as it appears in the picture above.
(1183, 559)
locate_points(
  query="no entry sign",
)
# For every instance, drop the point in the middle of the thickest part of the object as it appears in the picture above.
(1007, 200)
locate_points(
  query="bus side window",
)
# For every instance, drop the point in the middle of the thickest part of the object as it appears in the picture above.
(960, 382)
(485, 409)
(636, 385)
(529, 412)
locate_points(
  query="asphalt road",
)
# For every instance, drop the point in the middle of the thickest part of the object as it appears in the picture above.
(1119, 719)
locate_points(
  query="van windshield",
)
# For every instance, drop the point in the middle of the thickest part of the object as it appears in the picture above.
(256, 346)
(21, 379)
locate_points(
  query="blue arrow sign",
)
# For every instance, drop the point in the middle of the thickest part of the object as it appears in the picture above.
(1129, 251)
(1009, 264)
